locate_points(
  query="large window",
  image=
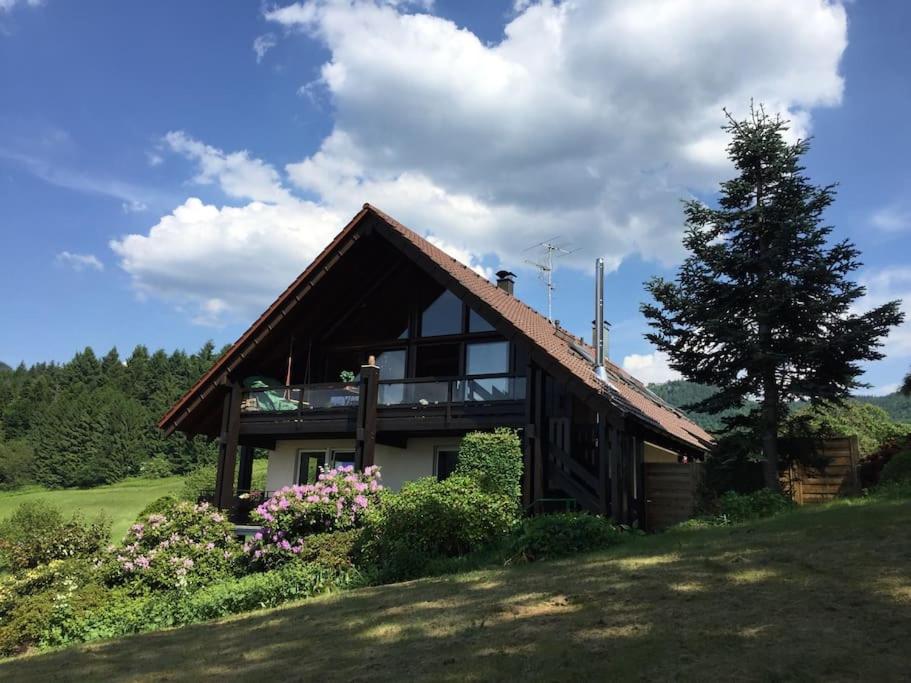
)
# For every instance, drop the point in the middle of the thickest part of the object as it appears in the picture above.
(443, 316)
(487, 358)
(437, 360)
(391, 364)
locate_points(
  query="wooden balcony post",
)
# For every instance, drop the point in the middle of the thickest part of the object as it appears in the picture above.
(365, 434)
(227, 449)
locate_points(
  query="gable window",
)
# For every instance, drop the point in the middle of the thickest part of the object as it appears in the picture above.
(309, 463)
(478, 324)
(443, 316)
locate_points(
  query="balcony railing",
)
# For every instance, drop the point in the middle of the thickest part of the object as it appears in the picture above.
(303, 398)
(300, 398)
(434, 391)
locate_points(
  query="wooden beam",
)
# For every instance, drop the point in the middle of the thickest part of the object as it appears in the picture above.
(224, 493)
(604, 452)
(529, 435)
(365, 430)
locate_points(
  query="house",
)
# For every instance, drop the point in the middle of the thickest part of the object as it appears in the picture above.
(386, 351)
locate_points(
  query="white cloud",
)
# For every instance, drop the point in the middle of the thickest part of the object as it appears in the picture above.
(8, 5)
(892, 218)
(218, 263)
(888, 284)
(880, 391)
(589, 119)
(651, 368)
(262, 44)
(79, 262)
(237, 174)
(593, 118)
(134, 206)
(60, 175)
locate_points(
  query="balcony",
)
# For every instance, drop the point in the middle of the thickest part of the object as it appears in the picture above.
(450, 403)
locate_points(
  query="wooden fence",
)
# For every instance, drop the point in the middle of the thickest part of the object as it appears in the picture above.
(671, 493)
(838, 477)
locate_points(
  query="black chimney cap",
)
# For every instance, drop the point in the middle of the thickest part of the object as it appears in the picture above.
(505, 275)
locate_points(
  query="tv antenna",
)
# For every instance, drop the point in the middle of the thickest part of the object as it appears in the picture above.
(550, 249)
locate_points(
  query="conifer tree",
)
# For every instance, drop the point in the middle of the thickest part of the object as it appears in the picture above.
(762, 307)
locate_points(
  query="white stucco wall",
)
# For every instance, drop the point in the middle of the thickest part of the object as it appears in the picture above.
(397, 465)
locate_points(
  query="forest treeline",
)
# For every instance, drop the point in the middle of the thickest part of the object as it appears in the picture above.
(680, 393)
(92, 420)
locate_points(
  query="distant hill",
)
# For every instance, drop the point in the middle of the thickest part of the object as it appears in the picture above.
(4, 367)
(898, 406)
(680, 393)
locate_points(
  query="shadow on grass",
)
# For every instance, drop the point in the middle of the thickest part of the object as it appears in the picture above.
(802, 597)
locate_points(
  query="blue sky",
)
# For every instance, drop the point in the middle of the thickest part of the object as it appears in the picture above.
(166, 168)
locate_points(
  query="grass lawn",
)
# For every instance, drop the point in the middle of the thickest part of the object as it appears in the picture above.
(121, 502)
(823, 593)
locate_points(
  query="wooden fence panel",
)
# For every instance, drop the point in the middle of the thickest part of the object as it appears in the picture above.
(671, 491)
(837, 478)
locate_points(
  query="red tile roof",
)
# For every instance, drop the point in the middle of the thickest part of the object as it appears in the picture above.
(623, 390)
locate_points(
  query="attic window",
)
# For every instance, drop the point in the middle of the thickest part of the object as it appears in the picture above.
(443, 316)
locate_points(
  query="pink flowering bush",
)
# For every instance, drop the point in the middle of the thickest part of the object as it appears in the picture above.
(337, 501)
(184, 546)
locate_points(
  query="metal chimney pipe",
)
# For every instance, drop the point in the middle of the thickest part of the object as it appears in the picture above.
(599, 320)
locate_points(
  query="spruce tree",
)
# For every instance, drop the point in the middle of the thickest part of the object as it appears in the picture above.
(906, 386)
(762, 306)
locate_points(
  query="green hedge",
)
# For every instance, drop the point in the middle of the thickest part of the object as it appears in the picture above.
(898, 469)
(432, 519)
(559, 535)
(494, 460)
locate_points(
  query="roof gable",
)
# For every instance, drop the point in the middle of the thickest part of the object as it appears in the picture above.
(565, 355)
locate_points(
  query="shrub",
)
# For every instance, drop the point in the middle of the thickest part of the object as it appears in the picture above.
(898, 469)
(185, 546)
(557, 535)
(735, 507)
(43, 603)
(199, 484)
(159, 505)
(16, 460)
(335, 551)
(157, 468)
(871, 467)
(125, 614)
(870, 424)
(37, 533)
(430, 519)
(336, 502)
(494, 460)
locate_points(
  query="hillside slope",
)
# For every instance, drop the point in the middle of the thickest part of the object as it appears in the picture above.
(680, 393)
(821, 593)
